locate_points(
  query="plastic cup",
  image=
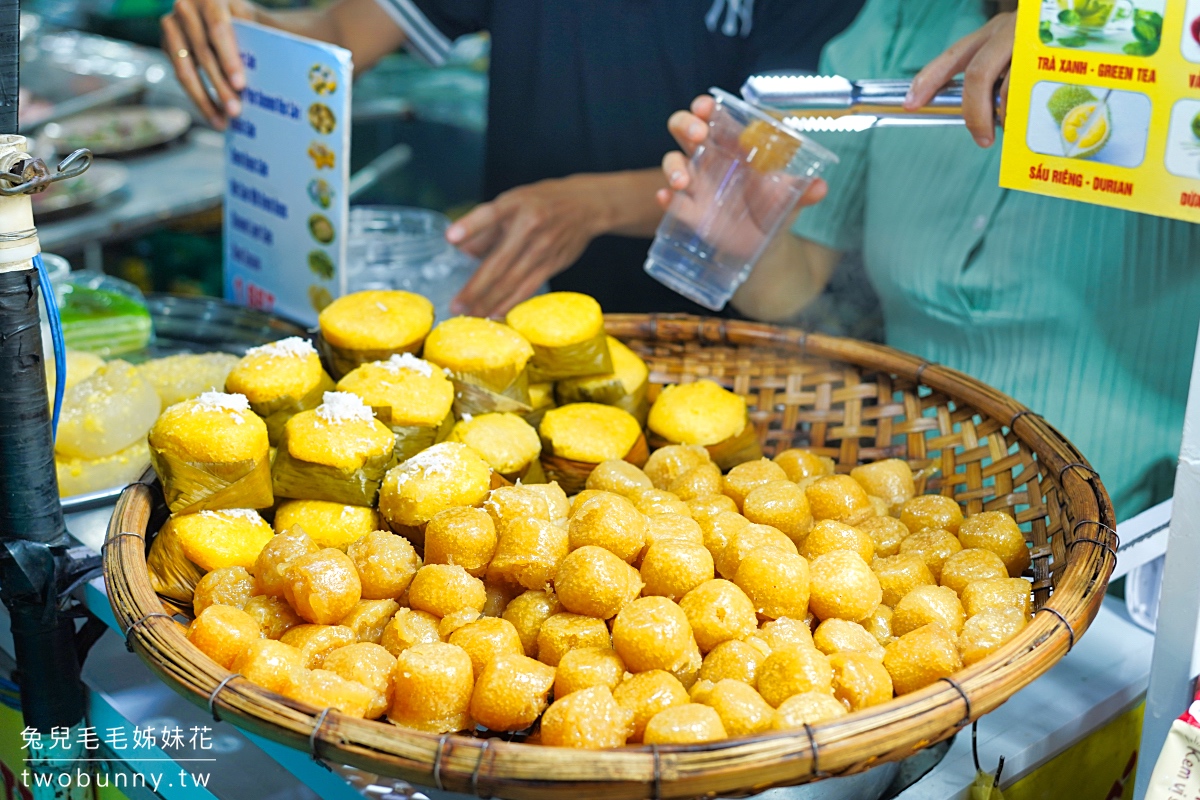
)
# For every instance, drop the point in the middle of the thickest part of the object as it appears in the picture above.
(746, 180)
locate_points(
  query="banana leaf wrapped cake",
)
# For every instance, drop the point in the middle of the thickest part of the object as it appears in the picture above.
(409, 395)
(328, 524)
(280, 380)
(446, 475)
(372, 326)
(509, 444)
(624, 387)
(190, 545)
(703, 413)
(566, 330)
(486, 360)
(577, 437)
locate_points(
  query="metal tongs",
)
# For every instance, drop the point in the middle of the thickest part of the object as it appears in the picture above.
(834, 103)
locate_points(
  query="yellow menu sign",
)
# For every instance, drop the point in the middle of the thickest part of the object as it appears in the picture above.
(1104, 104)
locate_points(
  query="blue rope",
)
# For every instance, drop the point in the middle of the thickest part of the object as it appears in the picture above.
(56, 335)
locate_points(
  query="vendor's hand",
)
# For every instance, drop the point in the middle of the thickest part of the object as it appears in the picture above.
(198, 37)
(983, 57)
(524, 237)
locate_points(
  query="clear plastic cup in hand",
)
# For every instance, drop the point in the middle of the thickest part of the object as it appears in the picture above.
(746, 179)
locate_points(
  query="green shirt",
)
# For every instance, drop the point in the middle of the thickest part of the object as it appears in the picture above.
(1088, 315)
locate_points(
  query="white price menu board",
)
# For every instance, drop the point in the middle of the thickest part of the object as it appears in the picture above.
(286, 175)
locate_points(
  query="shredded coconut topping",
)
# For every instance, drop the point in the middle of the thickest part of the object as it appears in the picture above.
(381, 306)
(435, 462)
(291, 347)
(342, 407)
(407, 361)
(467, 416)
(247, 514)
(220, 401)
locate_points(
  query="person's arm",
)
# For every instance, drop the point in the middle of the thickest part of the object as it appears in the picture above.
(198, 38)
(791, 274)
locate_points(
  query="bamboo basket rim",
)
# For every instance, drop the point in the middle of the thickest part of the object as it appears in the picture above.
(746, 765)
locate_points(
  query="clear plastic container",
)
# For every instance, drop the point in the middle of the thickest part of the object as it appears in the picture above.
(395, 247)
(745, 181)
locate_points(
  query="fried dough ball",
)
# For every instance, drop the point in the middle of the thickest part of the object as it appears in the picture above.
(926, 604)
(743, 479)
(793, 670)
(323, 586)
(782, 505)
(409, 628)
(507, 504)
(452, 622)
(998, 532)
(274, 666)
(841, 585)
(275, 559)
(646, 694)
(839, 497)
(671, 569)
(463, 536)
(706, 507)
(921, 657)
(673, 528)
(596, 583)
(368, 618)
(931, 511)
(697, 482)
(745, 541)
(933, 546)
(886, 533)
(578, 500)
(321, 688)
(386, 564)
(718, 611)
(998, 593)
(223, 632)
(619, 477)
(859, 680)
(839, 636)
(527, 612)
(690, 723)
(499, 595)
(984, 633)
(879, 624)
(890, 480)
(742, 710)
(369, 665)
(588, 667)
(689, 671)
(589, 719)
(719, 529)
(807, 708)
(667, 464)
(900, 574)
(653, 502)
(829, 535)
(528, 554)
(227, 586)
(564, 632)
(733, 660)
(786, 632)
(609, 521)
(652, 633)
(967, 566)
(318, 641)
(485, 640)
(776, 583)
(442, 589)
(701, 691)
(556, 501)
(511, 692)
(273, 615)
(433, 687)
(800, 464)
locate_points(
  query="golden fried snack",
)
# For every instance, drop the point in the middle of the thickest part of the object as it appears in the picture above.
(690, 723)
(368, 618)
(499, 595)
(829, 535)
(800, 464)
(588, 667)
(652, 633)
(595, 583)
(742, 710)
(926, 604)
(984, 633)
(719, 529)
(967, 566)
(998, 532)
(807, 708)
(407, 629)
(223, 632)
(529, 554)
(275, 559)
(323, 586)
(564, 632)
(748, 476)
(900, 574)
(745, 541)
(890, 479)
(527, 612)
(576, 501)
(697, 482)
(442, 589)
(273, 615)
(274, 666)
(589, 719)
(708, 506)
(921, 657)
(886, 532)
(689, 671)
(733, 660)
(463, 536)
(718, 611)
(508, 504)
(322, 689)
(879, 624)
(839, 636)
(793, 670)
(668, 464)
(933, 546)
(369, 665)
(646, 694)
(511, 692)
(859, 680)
(609, 521)
(839, 497)
(386, 564)
(653, 502)
(998, 593)
(227, 586)
(782, 505)
(619, 477)
(701, 691)
(318, 641)
(672, 527)
(433, 687)
(776, 582)
(931, 511)
(329, 524)
(485, 640)
(841, 585)
(786, 632)
(556, 501)
(452, 622)
(672, 568)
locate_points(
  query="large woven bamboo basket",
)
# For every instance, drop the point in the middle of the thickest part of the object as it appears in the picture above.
(849, 400)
